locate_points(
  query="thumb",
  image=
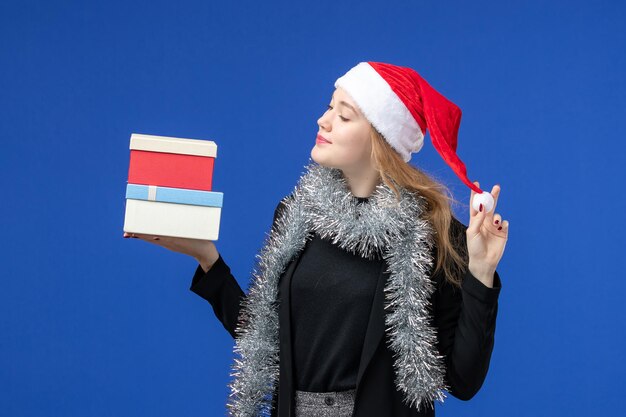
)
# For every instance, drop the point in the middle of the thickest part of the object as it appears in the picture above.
(477, 220)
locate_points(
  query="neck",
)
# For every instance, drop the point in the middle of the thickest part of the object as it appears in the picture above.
(362, 182)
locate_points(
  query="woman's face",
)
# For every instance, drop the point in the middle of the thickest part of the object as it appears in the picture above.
(343, 139)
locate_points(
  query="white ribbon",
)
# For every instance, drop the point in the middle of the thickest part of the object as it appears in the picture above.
(152, 189)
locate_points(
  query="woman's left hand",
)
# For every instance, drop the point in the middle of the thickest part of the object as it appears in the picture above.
(486, 235)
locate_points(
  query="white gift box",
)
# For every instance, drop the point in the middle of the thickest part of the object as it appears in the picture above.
(172, 212)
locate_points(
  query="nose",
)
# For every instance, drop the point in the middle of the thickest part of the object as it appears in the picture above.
(324, 122)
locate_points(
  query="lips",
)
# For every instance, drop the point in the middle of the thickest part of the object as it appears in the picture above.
(322, 139)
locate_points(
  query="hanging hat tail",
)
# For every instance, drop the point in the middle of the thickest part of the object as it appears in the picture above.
(443, 119)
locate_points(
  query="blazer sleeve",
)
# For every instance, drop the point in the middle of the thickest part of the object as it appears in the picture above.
(219, 287)
(465, 319)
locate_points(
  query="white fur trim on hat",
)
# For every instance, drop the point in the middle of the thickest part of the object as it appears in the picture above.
(383, 108)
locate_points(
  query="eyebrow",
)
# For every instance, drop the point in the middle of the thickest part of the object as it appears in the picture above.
(348, 106)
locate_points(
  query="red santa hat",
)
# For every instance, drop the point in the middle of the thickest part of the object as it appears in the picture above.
(401, 105)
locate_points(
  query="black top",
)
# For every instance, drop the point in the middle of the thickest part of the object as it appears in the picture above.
(331, 298)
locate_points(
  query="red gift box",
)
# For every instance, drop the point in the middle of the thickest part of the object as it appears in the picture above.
(171, 162)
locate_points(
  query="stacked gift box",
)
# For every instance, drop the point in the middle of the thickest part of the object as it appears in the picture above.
(169, 190)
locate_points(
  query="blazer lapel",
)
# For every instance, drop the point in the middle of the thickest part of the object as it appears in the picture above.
(285, 387)
(376, 325)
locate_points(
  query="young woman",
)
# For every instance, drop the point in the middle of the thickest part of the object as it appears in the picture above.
(369, 298)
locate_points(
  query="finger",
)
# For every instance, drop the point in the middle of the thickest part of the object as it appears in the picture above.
(143, 236)
(497, 221)
(151, 238)
(166, 241)
(477, 221)
(495, 193)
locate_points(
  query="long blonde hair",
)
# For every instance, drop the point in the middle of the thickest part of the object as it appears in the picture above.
(451, 252)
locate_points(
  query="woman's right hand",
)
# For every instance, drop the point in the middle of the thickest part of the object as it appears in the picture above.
(203, 251)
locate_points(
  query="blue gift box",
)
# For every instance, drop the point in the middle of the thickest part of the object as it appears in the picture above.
(174, 195)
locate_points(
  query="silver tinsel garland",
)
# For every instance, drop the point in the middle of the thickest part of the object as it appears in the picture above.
(322, 202)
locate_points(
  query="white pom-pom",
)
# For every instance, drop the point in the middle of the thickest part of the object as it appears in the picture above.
(485, 199)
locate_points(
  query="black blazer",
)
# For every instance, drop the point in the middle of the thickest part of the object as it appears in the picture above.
(464, 318)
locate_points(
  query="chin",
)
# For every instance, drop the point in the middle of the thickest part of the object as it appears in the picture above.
(315, 156)
(319, 159)
(326, 159)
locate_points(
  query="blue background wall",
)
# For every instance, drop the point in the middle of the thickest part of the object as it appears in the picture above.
(92, 324)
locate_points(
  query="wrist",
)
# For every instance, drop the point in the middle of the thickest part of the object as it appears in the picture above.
(484, 273)
(207, 261)
(205, 265)
(206, 255)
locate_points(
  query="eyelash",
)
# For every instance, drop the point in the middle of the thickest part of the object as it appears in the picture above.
(329, 107)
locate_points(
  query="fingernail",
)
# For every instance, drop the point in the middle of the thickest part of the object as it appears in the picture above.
(497, 221)
(480, 208)
(500, 228)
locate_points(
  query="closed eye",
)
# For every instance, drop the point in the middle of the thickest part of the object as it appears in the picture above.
(341, 117)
